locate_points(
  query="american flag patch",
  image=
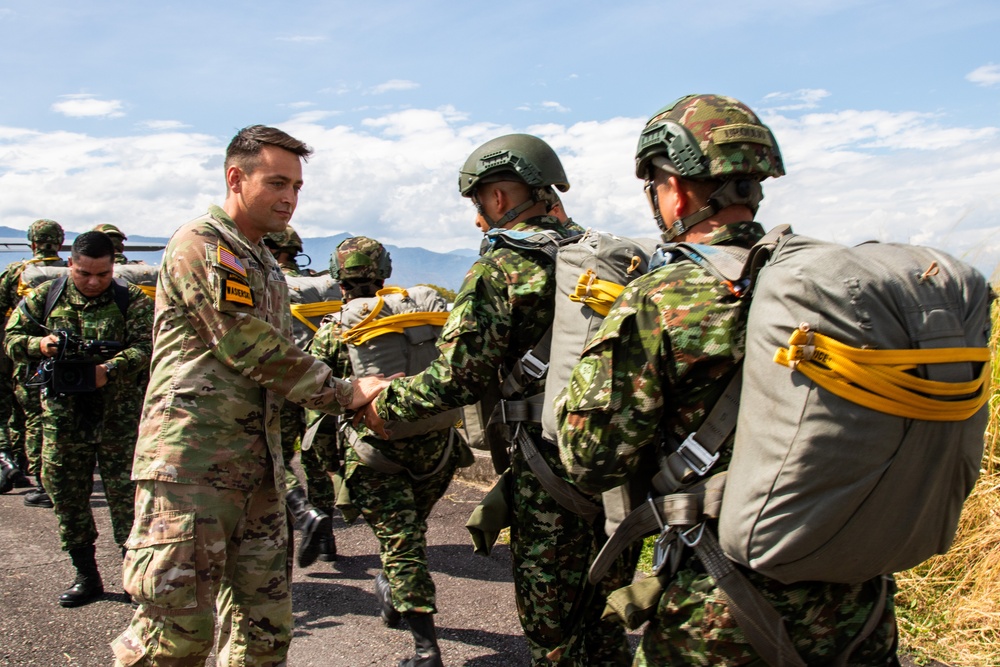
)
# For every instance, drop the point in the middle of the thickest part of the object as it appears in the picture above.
(227, 259)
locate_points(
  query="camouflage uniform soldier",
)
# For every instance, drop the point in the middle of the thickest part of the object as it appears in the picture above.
(210, 539)
(90, 426)
(662, 358)
(395, 504)
(504, 307)
(118, 238)
(316, 524)
(20, 406)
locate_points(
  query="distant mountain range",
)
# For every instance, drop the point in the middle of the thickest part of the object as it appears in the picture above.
(410, 266)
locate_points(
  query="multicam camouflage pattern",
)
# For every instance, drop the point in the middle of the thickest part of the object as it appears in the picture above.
(46, 234)
(395, 506)
(661, 358)
(78, 429)
(360, 258)
(221, 357)
(504, 306)
(176, 552)
(731, 137)
(20, 408)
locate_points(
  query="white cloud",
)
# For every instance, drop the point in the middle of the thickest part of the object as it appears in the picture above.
(161, 125)
(299, 105)
(543, 106)
(393, 85)
(6, 13)
(804, 98)
(852, 175)
(88, 106)
(987, 75)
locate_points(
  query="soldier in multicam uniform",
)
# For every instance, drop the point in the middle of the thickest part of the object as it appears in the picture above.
(87, 427)
(503, 308)
(210, 539)
(118, 238)
(20, 406)
(662, 358)
(395, 504)
(315, 523)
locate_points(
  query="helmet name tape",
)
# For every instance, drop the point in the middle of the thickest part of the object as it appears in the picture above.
(740, 133)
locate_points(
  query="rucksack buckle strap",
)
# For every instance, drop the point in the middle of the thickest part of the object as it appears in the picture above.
(699, 459)
(532, 366)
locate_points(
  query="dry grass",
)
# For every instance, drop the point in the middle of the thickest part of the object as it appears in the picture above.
(949, 607)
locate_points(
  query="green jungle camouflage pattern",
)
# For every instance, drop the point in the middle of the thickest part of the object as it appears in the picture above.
(661, 356)
(395, 506)
(9, 298)
(180, 546)
(220, 365)
(101, 426)
(504, 306)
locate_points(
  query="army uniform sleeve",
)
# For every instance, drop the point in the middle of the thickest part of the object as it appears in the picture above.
(471, 349)
(613, 403)
(328, 348)
(138, 343)
(221, 312)
(22, 334)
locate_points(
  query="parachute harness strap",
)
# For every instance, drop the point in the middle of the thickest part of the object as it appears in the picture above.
(369, 328)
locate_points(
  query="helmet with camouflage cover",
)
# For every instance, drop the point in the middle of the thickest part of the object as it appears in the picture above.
(709, 137)
(287, 240)
(46, 233)
(360, 259)
(117, 236)
(514, 157)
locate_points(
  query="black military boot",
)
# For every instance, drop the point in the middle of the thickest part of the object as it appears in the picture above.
(383, 594)
(10, 473)
(88, 585)
(312, 522)
(328, 542)
(428, 654)
(38, 498)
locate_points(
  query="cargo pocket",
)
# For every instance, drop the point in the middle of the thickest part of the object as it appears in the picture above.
(159, 568)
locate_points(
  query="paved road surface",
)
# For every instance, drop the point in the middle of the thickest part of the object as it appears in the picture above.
(335, 609)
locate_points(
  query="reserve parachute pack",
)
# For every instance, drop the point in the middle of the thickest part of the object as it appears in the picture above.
(311, 299)
(395, 332)
(859, 412)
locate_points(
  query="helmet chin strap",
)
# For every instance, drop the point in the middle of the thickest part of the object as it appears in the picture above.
(739, 191)
(509, 215)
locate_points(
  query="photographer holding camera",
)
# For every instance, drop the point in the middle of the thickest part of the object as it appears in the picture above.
(94, 336)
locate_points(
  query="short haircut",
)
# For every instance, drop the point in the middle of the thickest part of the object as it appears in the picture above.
(95, 245)
(246, 146)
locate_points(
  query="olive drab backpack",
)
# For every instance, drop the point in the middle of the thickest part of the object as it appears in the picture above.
(312, 298)
(395, 332)
(859, 414)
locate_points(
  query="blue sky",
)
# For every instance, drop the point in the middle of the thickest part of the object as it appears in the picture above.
(888, 113)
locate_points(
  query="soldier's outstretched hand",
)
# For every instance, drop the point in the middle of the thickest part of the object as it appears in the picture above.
(367, 388)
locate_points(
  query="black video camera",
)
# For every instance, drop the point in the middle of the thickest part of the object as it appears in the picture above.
(73, 370)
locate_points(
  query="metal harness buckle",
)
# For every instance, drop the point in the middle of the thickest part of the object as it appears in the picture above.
(699, 459)
(532, 366)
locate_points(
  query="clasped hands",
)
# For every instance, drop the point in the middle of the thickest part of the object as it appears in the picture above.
(366, 389)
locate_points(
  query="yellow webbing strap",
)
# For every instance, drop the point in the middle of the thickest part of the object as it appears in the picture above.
(22, 287)
(596, 293)
(878, 379)
(302, 311)
(369, 327)
(148, 290)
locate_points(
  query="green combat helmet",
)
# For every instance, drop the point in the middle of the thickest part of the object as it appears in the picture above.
(288, 241)
(708, 137)
(118, 238)
(360, 259)
(46, 234)
(514, 157)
